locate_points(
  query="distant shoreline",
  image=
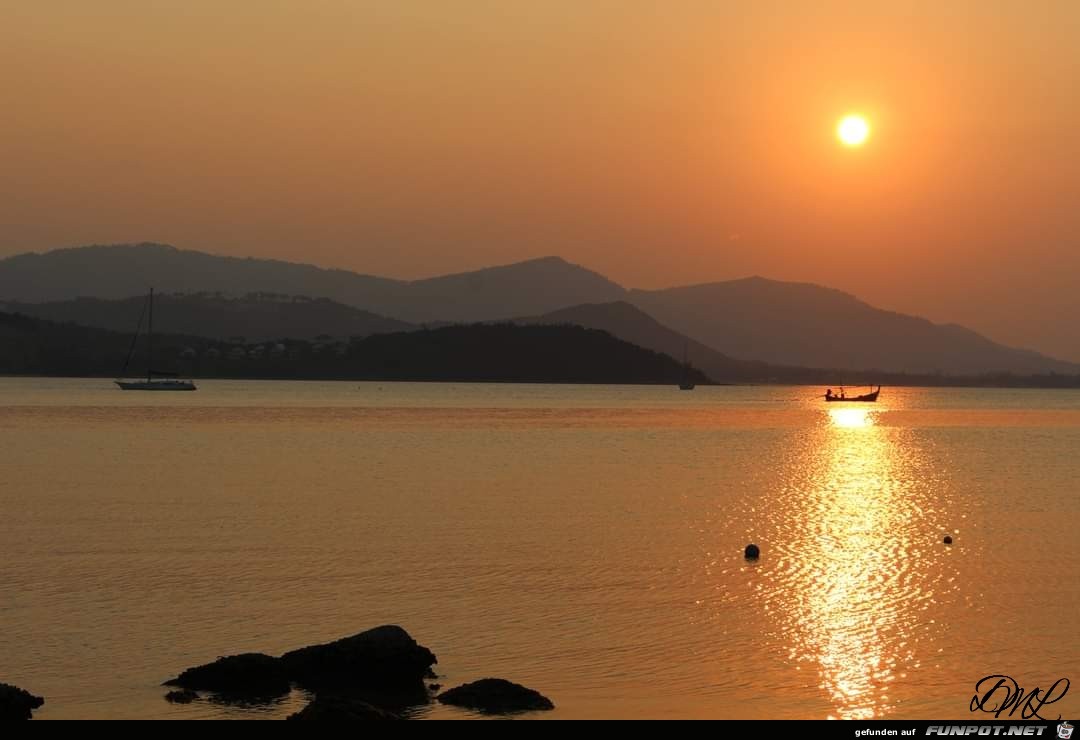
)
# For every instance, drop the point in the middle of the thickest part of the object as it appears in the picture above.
(1021, 383)
(466, 353)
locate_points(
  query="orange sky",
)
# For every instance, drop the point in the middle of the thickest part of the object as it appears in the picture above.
(656, 143)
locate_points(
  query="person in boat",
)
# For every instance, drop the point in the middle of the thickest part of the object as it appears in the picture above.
(828, 393)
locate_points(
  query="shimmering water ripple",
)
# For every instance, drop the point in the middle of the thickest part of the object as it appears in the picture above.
(583, 540)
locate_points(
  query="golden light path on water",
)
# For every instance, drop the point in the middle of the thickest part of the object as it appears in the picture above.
(583, 540)
(857, 570)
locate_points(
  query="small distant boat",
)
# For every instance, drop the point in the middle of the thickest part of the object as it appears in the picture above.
(165, 381)
(685, 384)
(871, 397)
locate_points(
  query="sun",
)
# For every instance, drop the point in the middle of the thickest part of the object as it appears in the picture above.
(853, 130)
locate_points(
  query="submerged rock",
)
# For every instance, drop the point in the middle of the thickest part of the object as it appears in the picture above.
(342, 708)
(496, 696)
(16, 703)
(244, 677)
(181, 696)
(385, 660)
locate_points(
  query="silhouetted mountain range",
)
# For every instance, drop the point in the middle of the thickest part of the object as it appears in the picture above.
(467, 353)
(254, 317)
(630, 323)
(803, 324)
(748, 321)
(122, 271)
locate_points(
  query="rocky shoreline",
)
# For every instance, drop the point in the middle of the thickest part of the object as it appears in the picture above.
(16, 703)
(380, 673)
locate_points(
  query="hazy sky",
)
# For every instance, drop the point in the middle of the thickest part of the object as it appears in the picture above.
(658, 143)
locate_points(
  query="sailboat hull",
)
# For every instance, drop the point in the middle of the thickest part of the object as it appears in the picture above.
(155, 385)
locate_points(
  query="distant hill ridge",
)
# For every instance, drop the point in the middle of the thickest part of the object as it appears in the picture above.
(628, 322)
(122, 271)
(748, 320)
(466, 353)
(255, 316)
(808, 325)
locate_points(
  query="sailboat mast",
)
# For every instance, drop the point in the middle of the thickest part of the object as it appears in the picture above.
(150, 341)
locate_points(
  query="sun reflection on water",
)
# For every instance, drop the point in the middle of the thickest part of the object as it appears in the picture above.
(851, 418)
(850, 589)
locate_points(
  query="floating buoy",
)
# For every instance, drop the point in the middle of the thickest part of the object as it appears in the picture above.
(752, 552)
(948, 540)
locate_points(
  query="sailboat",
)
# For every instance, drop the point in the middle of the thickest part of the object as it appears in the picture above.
(685, 384)
(165, 381)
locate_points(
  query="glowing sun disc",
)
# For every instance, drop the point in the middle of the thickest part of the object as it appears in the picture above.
(853, 130)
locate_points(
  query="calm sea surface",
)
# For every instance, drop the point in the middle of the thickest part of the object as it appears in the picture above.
(583, 540)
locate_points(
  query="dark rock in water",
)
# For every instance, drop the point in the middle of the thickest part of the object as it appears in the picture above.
(752, 552)
(383, 661)
(430, 674)
(434, 686)
(16, 703)
(383, 666)
(341, 708)
(495, 696)
(244, 677)
(948, 540)
(181, 696)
